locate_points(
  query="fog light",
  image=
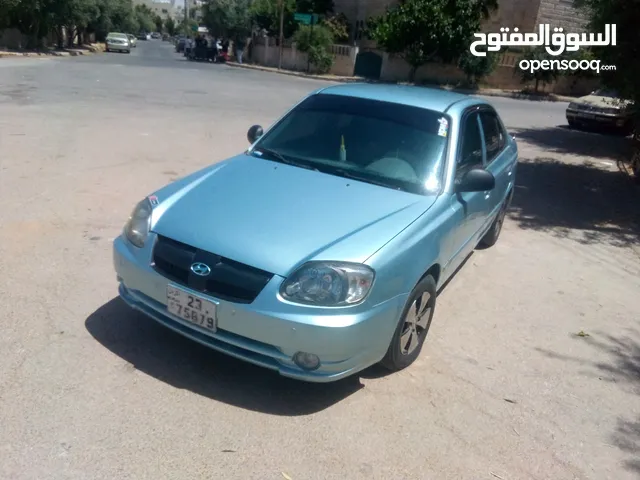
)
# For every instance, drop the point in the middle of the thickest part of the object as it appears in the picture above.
(306, 361)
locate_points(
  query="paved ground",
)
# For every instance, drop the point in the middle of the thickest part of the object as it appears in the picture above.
(505, 388)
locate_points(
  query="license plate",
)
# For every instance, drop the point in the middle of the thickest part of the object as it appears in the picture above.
(192, 308)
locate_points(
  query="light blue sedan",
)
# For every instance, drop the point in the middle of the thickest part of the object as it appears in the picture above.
(320, 250)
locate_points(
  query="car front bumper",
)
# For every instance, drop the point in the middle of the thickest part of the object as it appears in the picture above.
(266, 332)
(596, 119)
(118, 47)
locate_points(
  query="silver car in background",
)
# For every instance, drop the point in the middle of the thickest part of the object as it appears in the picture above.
(118, 42)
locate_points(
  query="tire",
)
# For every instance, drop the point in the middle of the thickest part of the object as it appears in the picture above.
(128, 52)
(107, 50)
(413, 326)
(573, 124)
(491, 237)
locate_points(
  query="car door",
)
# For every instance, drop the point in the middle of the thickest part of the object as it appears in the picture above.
(469, 208)
(500, 159)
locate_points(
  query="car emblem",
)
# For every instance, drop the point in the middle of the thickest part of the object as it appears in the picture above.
(200, 269)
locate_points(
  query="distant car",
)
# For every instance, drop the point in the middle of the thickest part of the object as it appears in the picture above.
(142, 36)
(320, 250)
(156, 35)
(601, 109)
(133, 40)
(118, 42)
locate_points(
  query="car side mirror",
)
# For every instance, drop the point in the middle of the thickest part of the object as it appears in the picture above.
(476, 180)
(254, 133)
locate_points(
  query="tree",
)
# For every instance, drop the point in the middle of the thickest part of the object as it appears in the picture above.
(316, 42)
(625, 14)
(157, 20)
(540, 75)
(425, 30)
(170, 26)
(228, 18)
(339, 26)
(476, 68)
(321, 7)
(266, 16)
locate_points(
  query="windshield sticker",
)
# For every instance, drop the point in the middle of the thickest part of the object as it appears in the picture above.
(153, 200)
(444, 127)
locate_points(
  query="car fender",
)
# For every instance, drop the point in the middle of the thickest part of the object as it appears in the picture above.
(403, 261)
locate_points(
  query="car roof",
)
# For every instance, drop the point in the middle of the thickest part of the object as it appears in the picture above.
(430, 98)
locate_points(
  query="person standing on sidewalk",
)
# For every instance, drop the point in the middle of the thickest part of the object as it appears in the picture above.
(239, 45)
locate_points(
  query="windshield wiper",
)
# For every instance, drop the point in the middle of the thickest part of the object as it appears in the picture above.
(354, 176)
(282, 159)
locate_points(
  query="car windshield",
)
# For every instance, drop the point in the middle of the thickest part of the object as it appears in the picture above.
(606, 93)
(388, 144)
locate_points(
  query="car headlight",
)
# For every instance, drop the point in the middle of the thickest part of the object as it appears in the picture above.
(139, 223)
(573, 106)
(328, 284)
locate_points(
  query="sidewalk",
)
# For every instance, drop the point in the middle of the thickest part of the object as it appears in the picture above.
(488, 92)
(52, 52)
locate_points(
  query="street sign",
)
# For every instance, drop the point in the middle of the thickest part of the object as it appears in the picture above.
(306, 18)
(194, 28)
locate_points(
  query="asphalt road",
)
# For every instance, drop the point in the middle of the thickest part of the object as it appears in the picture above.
(531, 367)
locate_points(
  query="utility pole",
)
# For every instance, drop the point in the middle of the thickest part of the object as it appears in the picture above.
(186, 16)
(281, 33)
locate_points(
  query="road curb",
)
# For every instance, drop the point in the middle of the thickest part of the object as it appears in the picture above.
(484, 92)
(51, 53)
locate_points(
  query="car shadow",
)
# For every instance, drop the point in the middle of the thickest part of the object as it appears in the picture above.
(163, 354)
(585, 143)
(581, 201)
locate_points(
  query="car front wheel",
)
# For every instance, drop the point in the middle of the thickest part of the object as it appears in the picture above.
(413, 326)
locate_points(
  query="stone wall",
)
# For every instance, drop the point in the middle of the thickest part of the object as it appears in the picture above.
(561, 13)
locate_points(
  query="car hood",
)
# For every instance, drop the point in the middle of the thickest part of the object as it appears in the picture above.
(602, 102)
(275, 217)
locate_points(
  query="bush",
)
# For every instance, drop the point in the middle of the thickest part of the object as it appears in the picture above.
(316, 41)
(321, 58)
(476, 68)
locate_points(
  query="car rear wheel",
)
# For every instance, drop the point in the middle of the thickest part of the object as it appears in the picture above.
(413, 326)
(573, 124)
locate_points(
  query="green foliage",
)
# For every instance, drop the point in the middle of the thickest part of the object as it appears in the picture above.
(170, 26)
(38, 18)
(321, 7)
(316, 41)
(308, 37)
(626, 54)
(266, 16)
(424, 30)
(476, 68)
(159, 24)
(228, 18)
(321, 58)
(339, 26)
(540, 75)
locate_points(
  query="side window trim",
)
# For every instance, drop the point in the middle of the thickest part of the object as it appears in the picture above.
(463, 121)
(491, 111)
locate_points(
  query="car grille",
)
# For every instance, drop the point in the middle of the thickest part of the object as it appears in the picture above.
(229, 280)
